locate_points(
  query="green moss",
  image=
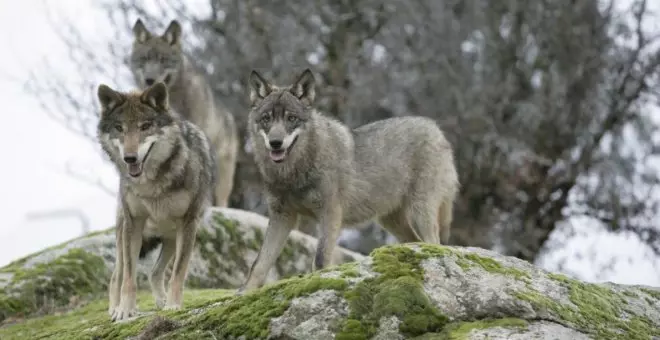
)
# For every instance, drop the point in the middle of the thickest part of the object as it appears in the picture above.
(630, 294)
(50, 285)
(93, 322)
(250, 314)
(353, 330)
(471, 260)
(561, 278)
(349, 270)
(467, 261)
(461, 330)
(397, 291)
(345, 270)
(597, 310)
(432, 250)
(227, 238)
(210, 248)
(431, 336)
(19, 263)
(654, 293)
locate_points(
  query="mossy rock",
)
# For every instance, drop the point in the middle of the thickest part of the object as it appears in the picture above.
(78, 270)
(411, 291)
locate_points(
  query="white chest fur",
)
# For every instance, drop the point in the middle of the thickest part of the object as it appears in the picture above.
(163, 214)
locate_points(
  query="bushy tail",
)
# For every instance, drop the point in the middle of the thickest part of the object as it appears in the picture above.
(148, 245)
(445, 217)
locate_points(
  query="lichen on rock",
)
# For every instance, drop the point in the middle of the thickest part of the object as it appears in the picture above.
(226, 245)
(44, 287)
(405, 291)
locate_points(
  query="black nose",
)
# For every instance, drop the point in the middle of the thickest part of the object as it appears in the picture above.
(149, 81)
(130, 158)
(275, 144)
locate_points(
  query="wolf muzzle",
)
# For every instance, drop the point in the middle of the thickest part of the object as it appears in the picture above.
(281, 147)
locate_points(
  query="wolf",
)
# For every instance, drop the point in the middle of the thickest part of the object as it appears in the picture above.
(166, 172)
(397, 171)
(155, 58)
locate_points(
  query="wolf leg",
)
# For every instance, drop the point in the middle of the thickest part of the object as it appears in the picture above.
(157, 277)
(114, 285)
(132, 242)
(423, 218)
(399, 225)
(445, 216)
(185, 241)
(330, 223)
(279, 227)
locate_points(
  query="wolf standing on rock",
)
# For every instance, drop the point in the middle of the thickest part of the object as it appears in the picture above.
(399, 170)
(166, 177)
(160, 58)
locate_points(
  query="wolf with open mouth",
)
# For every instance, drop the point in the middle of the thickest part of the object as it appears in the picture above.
(318, 171)
(167, 173)
(159, 57)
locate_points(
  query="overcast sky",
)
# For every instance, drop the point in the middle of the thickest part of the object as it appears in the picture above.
(36, 151)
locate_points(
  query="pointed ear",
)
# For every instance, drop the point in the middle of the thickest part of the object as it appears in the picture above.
(140, 32)
(156, 95)
(173, 33)
(305, 88)
(108, 98)
(259, 87)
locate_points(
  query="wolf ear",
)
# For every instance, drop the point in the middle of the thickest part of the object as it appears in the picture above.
(304, 87)
(259, 87)
(108, 98)
(140, 32)
(156, 95)
(173, 33)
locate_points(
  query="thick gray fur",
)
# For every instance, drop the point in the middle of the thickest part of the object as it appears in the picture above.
(161, 58)
(399, 171)
(165, 196)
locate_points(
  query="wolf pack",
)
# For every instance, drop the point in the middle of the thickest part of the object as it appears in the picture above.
(175, 149)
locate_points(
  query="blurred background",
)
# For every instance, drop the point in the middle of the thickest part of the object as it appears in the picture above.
(551, 106)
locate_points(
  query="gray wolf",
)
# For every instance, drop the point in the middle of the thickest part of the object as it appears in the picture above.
(157, 58)
(166, 175)
(398, 171)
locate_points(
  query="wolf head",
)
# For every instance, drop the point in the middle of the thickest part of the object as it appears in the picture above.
(156, 58)
(135, 129)
(280, 116)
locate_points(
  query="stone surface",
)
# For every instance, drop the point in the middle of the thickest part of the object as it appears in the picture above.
(225, 248)
(411, 291)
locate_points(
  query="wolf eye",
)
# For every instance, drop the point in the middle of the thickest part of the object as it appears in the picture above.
(119, 128)
(265, 119)
(146, 126)
(292, 119)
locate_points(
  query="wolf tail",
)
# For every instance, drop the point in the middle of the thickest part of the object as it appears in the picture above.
(148, 245)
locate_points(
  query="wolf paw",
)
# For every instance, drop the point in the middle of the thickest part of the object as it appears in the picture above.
(123, 313)
(160, 300)
(172, 306)
(112, 306)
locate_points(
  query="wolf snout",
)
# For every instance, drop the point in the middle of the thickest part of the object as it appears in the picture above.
(149, 81)
(130, 158)
(275, 143)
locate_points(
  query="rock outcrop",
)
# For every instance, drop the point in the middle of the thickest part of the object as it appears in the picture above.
(80, 269)
(410, 291)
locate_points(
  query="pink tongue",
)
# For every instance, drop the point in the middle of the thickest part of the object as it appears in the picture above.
(277, 155)
(135, 169)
